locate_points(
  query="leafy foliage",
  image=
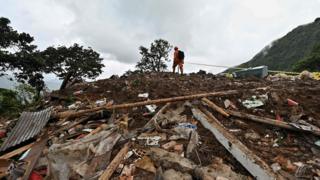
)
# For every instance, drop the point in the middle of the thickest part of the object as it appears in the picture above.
(12, 102)
(283, 53)
(310, 62)
(9, 103)
(72, 63)
(26, 94)
(153, 60)
(18, 54)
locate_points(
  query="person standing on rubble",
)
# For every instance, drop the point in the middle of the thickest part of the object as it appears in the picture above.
(178, 60)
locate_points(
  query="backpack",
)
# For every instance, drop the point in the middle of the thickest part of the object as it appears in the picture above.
(180, 55)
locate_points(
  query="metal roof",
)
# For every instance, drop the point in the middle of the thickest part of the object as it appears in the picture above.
(29, 125)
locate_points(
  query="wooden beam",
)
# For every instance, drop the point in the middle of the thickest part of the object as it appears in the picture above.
(33, 156)
(115, 162)
(269, 121)
(16, 151)
(148, 102)
(214, 107)
(255, 165)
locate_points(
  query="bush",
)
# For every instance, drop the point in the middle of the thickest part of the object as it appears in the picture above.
(9, 103)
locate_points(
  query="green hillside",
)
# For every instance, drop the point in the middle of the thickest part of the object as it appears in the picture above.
(283, 53)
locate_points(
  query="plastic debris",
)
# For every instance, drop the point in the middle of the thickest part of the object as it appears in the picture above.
(183, 131)
(143, 95)
(75, 105)
(275, 167)
(101, 102)
(78, 92)
(292, 102)
(152, 108)
(152, 139)
(317, 143)
(316, 75)
(228, 103)
(252, 103)
(73, 156)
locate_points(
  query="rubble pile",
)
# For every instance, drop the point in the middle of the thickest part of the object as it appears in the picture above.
(164, 126)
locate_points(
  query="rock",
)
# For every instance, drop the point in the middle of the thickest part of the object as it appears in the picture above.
(175, 175)
(241, 124)
(221, 178)
(305, 75)
(114, 77)
(146, 164)
(217, 170)
(201, 72)
(275, 97)
(169, 145)
(178, 148)
(170, 160)
(252, 136)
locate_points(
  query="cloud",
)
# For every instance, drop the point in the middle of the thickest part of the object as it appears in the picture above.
(226, 32)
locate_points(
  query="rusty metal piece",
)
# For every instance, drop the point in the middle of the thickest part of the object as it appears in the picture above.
(255, 165)
(29, 125)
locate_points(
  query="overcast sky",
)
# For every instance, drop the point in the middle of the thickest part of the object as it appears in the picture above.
(222, 32)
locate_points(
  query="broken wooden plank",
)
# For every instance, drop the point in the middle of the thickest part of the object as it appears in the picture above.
(16, 151)
(215, 107)
(269, 121)
(256, 166)
(148, 102)
(4, 168)
(153, 123)
(115, 162)
(34, 154)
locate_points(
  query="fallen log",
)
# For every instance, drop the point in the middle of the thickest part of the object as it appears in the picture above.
(269, 121)
(215, 107)
(148, 102)
(115, 163)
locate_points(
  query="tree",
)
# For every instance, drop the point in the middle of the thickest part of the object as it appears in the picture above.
(26, 94)
(72, 63)
(311, 62)
(19, 55)
(154, 59)
(9, 103)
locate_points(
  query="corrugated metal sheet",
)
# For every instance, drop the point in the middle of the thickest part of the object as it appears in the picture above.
(28, 126)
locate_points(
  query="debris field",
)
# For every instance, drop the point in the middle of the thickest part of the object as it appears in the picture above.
(167, 126)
